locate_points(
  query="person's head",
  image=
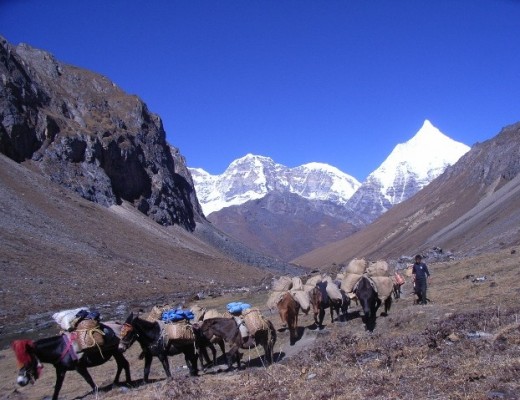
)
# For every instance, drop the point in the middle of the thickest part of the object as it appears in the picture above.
(418, 258)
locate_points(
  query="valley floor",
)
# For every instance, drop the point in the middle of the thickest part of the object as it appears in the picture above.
(465, 344)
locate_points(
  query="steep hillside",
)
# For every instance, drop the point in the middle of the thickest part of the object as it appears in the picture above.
(84, 133)
(283, 225)
(472, 208)
(59, 250)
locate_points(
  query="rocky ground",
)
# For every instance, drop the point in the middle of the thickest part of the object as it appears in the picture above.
(465, 344)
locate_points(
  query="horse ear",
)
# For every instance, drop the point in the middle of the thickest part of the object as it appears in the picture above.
(130, 318)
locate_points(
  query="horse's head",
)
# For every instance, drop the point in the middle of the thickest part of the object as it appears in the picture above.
(366, 295)
(30, 366)
(128, 335)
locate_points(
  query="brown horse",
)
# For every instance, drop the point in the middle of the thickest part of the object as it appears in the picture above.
(288, 309)
(225, 329)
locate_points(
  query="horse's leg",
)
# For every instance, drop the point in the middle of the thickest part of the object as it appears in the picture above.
(147, 364)
(388, 304)
(222, 346)
(163, 358)
(203, 356)
(321, 317)
(191, 356)
(213, 354)
(332, 308)
(122, 363)
(82, 370)
(231, 355)
(60, 376)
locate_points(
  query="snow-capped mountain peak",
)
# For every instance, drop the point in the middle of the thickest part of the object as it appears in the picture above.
(424, 157)
(409, 167)
(253, 176)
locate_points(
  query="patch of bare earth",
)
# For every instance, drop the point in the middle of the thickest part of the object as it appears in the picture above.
(465, 344)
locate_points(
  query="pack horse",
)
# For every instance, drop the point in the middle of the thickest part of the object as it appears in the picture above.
(59, 351)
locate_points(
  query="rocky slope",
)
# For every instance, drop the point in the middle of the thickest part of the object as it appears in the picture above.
(87, 135)
(471, 208)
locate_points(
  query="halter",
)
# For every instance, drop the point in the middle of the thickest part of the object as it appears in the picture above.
(127, 329)
(30, 365)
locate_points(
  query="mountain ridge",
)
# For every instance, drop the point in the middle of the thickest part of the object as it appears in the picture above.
(248, 180)
(469, 209)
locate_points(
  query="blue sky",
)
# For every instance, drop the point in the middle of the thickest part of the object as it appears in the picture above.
(340, 82)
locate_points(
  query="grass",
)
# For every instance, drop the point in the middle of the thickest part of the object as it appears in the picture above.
(465, 344)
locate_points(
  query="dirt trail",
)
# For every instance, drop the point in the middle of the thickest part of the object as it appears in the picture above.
(103, 375)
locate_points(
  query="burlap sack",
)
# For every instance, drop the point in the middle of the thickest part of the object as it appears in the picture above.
(211, 313)
(326, 278)
(156, 313)
(302, 298)
(254, 320)
(384, 285)
(333, 291)
(313, 280)
(379, 268)
(307, 288)
(356, 266)
(180, 331)
(281, 284)
(349, 281)
(297, 283)
(89, 334)
(198, 312)
(274, 299)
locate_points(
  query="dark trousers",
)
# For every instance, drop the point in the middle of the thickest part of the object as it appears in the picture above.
(420, 290)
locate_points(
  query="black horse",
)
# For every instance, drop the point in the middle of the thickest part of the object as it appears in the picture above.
(59, 351)
(154, 344)
(320, 301)
(370, 302)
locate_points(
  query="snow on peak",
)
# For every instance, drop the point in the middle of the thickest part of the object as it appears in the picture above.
(422, 158)
(252, 177)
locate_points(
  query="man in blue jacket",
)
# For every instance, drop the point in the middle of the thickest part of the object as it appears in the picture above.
(421, 276)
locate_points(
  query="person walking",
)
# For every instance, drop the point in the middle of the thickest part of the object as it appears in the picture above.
(421, 276)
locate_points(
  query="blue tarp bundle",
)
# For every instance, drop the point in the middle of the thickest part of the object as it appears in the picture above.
(237, 307)
(176, 315)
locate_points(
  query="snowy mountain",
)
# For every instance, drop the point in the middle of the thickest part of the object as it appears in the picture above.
(252, 177)
(285, 212)
(409, 167)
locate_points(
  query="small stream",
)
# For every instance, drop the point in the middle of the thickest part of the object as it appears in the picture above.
(37, 326)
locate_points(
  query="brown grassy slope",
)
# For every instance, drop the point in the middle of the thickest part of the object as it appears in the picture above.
(58, 250)
(465, 344)
(473, 207)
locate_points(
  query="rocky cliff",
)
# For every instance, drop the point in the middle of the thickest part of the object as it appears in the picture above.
(84, 133)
